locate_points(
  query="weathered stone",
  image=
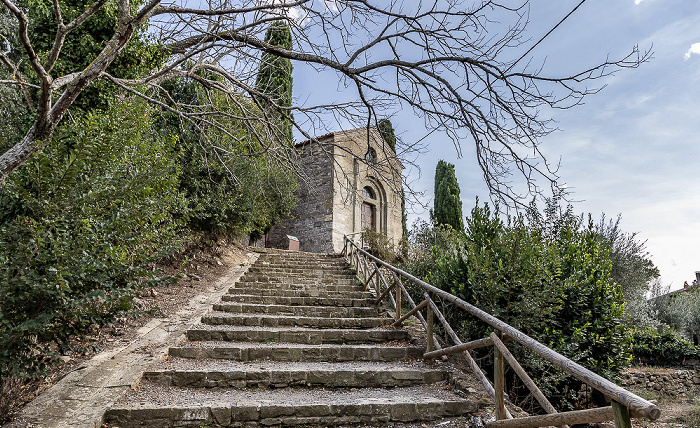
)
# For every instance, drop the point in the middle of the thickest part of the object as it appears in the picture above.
(341, 182)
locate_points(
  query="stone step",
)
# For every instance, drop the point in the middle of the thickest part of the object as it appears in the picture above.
(340, 283)
(225, 318)
(233, 374)
(311, 270)
(295, 335)
(268, 291)
(302, 264)
(155, 405)
(304, 311)
(295, 352)
(313, 257)
(298, 300)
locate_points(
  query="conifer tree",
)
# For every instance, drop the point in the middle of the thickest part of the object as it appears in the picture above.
(275, 80)
(386, 130)
(447, 207)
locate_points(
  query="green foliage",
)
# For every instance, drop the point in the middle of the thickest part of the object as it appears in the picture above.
(377, 244)
(425, 241)
(231, 184)
(547, 275)
(387, 132)
(447, 207)
(275, 81)
(82, 46)
(80, 224)
(664, 348)
(680, 310)
(632, 267)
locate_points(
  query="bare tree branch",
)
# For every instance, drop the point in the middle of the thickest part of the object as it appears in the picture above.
(450, 61)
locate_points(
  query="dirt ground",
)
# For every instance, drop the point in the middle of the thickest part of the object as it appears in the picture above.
(195, 267)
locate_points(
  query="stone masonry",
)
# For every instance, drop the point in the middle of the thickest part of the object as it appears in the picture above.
(664, 382)
(294, 342)
(354, 181)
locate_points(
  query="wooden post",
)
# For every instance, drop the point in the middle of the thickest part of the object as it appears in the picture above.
(415, 310)
(499, 383)
(431, 339)
(386, 291)
(398, 300)
(622, 415)
(527, 380)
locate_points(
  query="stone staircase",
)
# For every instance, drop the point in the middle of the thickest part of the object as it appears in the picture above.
(296, 341)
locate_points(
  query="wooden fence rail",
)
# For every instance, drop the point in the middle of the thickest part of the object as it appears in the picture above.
(625, 404)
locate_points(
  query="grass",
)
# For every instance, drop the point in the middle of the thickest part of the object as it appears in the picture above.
(645, 394)
(691, 418)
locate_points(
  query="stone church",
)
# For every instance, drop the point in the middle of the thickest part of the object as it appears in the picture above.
(354, 182)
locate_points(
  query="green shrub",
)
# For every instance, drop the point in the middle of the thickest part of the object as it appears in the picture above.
(547, 276)
(665, 348)
(80, 224)
(233, 179)
(377, 244)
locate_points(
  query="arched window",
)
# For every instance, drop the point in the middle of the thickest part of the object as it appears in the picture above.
(371, 156)
(368, 192)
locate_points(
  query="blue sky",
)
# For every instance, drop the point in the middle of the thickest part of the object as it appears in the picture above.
(631, 149)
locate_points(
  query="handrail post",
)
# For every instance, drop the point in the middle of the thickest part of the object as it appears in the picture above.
(377, 281)
(499, 382)
(430, 346)
(397, 289)
(622, 415)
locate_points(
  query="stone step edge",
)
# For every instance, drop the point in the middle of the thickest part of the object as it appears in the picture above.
(294, 310)
(343, 302)
(267, 320)
(85, 393)
(292, 377)
(309, 414)
(279, 352)
(300, 336)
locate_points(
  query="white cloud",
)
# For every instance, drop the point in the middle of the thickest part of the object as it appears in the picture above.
(694, 49)
(638, 1)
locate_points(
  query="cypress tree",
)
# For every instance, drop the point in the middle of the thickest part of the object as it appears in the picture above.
(386, 130)
(447, 207)
(275, 80)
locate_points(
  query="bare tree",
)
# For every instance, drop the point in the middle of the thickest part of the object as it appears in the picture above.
(453, 62)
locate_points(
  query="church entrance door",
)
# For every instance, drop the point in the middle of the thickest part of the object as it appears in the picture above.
(367, 216)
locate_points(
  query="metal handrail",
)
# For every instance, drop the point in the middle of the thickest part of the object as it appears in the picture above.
(624, 402)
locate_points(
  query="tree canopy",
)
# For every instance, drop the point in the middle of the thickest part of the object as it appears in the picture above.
(451, 62)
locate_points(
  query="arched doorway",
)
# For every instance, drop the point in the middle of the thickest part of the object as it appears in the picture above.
(368, 215)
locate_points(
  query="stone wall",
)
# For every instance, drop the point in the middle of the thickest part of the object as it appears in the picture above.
(671, 383)
(312, 219)
(330, 202)
(352, 173)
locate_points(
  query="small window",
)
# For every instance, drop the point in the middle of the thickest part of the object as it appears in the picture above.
(368, 192)
(371, 156)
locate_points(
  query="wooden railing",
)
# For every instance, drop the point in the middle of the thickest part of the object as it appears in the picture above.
(624, 404)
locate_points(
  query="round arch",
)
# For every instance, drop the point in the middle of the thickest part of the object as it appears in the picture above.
(373, 205)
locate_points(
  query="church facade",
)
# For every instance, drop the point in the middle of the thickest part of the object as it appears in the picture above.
(353, 183)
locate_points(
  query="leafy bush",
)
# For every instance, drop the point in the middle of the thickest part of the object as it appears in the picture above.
(679, 310)
(546, 275)
(664, 348)
(380, 246)
(80, 224)
(231, 178)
